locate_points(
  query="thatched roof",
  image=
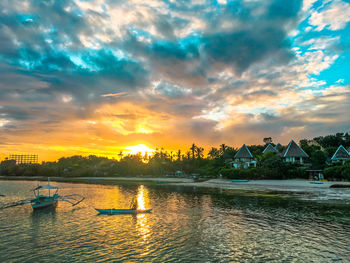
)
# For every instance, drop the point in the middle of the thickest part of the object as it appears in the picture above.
(294, 150)
(279, 147)
(270, 148)
(341, 154)
(243, 152)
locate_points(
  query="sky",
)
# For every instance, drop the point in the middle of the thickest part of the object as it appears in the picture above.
(101, 76)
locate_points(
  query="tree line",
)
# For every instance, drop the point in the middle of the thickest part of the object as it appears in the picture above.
(216, 162)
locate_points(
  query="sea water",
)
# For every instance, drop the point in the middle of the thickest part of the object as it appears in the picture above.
(187, 224)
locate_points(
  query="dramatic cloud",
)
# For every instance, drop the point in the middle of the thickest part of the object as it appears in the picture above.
(81, 77)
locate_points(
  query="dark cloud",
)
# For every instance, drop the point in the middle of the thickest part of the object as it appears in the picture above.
(241, 49)
(192, 60)
(128, 72)
(166, 25)
(282, 9)
(15, 113)
(49, 23)
(185, 61)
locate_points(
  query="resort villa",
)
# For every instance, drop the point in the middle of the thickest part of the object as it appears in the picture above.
(270, 148)
(244, 158)
(341, 155)
(294, 154)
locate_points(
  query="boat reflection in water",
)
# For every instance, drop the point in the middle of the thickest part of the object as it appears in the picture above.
(142, 225)
(141, 198)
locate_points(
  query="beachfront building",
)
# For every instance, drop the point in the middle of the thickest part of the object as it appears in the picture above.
(293, 153)
(243, 158)
(270, 148)
(341, 155)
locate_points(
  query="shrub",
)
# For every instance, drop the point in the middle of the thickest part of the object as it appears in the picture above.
(333, 172)
(346, 173)
(230, 173)
(297, 172)
(248, 173)
(252, 173)
(318, 159)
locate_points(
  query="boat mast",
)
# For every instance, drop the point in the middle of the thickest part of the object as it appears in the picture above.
(48, 183)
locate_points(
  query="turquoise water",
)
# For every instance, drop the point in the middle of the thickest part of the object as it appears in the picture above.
(187, 225)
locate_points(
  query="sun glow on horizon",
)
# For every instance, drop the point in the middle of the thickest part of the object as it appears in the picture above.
(140, 148)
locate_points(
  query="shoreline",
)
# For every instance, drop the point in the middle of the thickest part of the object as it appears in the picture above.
(304, 189)
(100, 180)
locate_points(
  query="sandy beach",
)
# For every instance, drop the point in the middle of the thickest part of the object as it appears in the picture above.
(303, 189)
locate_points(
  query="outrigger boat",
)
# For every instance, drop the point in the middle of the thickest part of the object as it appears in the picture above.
(44, 201)
(133, 210)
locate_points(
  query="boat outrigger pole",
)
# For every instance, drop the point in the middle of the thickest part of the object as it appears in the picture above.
(73, 199)
(21, 202)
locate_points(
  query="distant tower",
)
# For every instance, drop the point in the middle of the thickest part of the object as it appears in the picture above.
(24, 158)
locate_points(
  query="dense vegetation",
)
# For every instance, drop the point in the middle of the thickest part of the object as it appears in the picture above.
(193, 163)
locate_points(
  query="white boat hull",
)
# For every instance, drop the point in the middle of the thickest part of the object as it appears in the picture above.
(43, 203)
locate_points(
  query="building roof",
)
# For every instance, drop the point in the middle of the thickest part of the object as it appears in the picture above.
(270, 148)
(279, 147)
(341, 154)
(294, 150)
(243, 152)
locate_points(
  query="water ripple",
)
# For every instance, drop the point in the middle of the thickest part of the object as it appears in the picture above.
(184, 227)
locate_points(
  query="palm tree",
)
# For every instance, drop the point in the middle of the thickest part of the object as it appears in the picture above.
(199, 152)
(179, 155)
(162, 154)
(120, 155)
(145, 157)
(213, 153)
(223, 148)
(193, 149)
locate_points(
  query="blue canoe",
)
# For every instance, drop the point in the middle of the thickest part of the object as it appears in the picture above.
(316, 182)
(123, 211)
